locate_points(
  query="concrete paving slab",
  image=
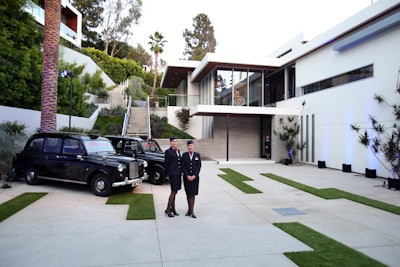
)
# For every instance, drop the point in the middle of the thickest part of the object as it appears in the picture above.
(72, 227)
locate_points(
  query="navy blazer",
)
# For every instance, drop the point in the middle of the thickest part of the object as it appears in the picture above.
(191, 167)
(172, 162)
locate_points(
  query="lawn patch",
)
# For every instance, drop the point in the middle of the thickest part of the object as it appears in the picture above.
(237, 179)
(326, 251)
(16, 204)
(333, 193)
(141, 206)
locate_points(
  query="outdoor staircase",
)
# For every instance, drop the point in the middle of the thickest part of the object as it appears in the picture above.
(138, 123)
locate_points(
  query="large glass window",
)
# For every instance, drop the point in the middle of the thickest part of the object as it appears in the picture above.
(246, 85)
(223, 87)
(274, 88)
(240, 87)
(255, 89)
(351, 76)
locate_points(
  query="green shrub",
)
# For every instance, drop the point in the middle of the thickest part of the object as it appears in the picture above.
(94, 82)
(103, 112)
(108, 125)
(91, 109)
(160, 128)
(102, 94)
(118, 111)
(12, 140)
(73, 130)
(117, 69)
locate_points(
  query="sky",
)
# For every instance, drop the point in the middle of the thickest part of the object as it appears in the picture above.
(249, 27)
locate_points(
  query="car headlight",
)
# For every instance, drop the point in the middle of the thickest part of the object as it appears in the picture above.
(121, 167)
(145, 164)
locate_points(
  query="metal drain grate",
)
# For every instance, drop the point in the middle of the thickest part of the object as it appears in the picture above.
(289, 211)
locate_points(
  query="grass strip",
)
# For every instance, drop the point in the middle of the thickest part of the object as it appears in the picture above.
(141, 206)
(326, 251)
(16, 204)
(237, 179)
(333, 193)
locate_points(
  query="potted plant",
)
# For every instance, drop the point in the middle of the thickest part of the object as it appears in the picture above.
(384, 139)
(288, 135)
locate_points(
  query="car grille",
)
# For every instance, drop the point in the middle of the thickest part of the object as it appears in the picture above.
(133, 169)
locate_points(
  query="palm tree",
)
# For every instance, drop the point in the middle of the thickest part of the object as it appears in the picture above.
(157, 46)
(52, 19)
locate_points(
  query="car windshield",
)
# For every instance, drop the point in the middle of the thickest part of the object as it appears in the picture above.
(151, 146)
(99, 146)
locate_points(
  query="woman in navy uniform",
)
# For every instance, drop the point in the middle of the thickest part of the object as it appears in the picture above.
(172, 165)
(191, 165)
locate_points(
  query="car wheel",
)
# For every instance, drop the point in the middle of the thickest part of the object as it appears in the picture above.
(31, 177)
(101, 185)
(157, 175)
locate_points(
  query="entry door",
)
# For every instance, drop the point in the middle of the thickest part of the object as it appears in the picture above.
(70, 167)
(265, 129)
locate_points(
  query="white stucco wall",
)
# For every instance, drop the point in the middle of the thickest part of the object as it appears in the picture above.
(31, 119)
(72, 56)
(336, 108)
(195, 122)
(193, 93)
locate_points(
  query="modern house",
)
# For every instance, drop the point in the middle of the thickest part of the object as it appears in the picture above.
(327, 84)
(71, 20)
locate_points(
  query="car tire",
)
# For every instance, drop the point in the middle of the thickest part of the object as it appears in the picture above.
(31, 177)
(157, 175)
(101, 185)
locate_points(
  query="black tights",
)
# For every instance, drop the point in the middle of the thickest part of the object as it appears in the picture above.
(171, 201)
(190, 201)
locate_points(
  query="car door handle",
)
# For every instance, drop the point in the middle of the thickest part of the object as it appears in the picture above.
(61, 157)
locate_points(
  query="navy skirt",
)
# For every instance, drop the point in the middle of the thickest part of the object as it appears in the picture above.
(176, 182)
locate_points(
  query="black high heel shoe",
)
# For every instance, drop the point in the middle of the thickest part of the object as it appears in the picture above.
(193, 216)
(174, 212)
(169, 213)
(188, 213)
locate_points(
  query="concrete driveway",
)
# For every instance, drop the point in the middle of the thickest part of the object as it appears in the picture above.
(72, 227)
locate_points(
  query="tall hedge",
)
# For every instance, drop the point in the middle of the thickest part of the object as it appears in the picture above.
(20, 56)
(117, 69)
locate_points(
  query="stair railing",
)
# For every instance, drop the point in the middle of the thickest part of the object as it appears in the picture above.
(127, 117)
(148, 118)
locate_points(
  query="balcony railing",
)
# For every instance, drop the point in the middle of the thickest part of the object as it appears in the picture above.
(38, 13)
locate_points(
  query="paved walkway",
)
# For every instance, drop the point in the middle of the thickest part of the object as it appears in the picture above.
(72, 227)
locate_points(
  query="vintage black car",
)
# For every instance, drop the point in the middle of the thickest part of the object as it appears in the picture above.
(77, 158)
(148, 150)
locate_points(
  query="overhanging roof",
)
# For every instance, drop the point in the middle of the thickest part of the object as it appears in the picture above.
(221, 110)
(177, 71)
(211, 60)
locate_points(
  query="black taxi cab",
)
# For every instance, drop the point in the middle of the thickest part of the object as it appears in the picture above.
(77, 158)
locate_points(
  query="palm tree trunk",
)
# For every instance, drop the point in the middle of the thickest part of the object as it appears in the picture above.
(48, 120)
(153, 92)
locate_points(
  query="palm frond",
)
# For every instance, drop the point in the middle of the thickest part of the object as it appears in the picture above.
(355, 127)
(379, 98)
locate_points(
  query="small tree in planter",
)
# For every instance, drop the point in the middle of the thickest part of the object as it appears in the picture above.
(288, 135)
(385, 140)
(183, 116)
